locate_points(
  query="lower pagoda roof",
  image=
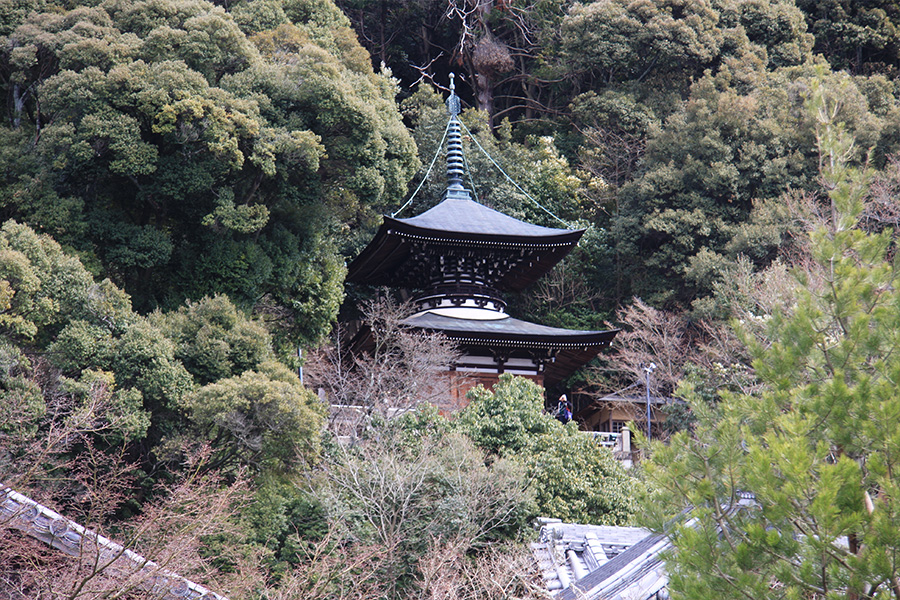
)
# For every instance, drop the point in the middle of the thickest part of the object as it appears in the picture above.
(570, 348)
(509, 331)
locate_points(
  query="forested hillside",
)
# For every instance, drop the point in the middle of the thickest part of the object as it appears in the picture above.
(675, 128)
(183, 182)
(184, 150)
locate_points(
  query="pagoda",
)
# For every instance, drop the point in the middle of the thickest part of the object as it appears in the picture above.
(457, 260)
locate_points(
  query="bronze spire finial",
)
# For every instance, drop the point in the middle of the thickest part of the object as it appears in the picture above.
(455, 165)
(453, 104)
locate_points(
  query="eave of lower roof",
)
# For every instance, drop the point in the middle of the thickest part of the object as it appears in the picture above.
(510, 332)
(571, 348)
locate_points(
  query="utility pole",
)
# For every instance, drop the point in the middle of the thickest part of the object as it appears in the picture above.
(647, 371)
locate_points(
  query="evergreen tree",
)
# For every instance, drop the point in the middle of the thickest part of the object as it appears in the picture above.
(572, 476)
(793, 491)
(184, 151)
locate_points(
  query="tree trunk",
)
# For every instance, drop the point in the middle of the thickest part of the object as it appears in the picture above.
(18, 105)
(484, 94)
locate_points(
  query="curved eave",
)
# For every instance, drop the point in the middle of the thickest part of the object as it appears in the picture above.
(382, 261)
(569, 361)
(507, 330)
(545, 237)
(599, 340)
(572, 348)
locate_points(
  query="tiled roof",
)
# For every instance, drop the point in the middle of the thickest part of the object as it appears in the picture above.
(516, 330)
(464, 215)
(572, 348)
(20, 512)
(593, 562)
(460, 226)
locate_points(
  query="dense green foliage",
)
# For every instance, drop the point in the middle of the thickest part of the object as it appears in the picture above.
(181, 164)
(677, 127)
(573, 477)
(816, 449)
(154, 376)
(184, 150)
(183, 181)
(504, 421)
(708, 173)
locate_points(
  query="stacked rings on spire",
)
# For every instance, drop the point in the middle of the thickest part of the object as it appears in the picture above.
(455, 167)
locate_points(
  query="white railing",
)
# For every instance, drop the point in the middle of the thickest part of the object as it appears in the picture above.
(618, 443)
(605, 438)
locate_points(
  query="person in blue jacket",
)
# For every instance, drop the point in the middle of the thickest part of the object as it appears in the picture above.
(564, 410)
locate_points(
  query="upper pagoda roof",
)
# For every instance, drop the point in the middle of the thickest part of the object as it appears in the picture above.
(402, 250)
(464, 216)
(457, 233)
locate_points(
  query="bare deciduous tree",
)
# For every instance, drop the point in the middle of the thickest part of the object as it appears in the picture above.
(64, 462)
(331, 569)
(612, 156)
(431, 496)
(650, 335)
(503, 572)
(882, 209)
(159, 547)
(563, 287)
(41, 428)
(397, 370)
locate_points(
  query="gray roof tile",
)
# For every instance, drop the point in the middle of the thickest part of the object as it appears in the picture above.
(507, 326)
(464, 215)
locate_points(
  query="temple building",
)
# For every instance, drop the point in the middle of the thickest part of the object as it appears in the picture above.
(456, 261)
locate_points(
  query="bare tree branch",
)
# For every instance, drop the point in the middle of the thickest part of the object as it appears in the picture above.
(401, 368)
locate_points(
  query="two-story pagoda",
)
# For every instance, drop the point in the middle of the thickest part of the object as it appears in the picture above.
(456, 260)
